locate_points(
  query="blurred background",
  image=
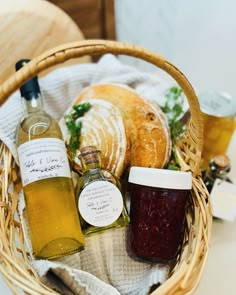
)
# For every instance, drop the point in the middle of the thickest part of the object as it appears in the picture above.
(197, 36)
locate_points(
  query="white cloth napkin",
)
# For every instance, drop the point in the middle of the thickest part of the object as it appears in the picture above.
(103, 268)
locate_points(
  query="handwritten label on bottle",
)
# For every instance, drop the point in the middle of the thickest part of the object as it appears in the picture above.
(43, 158)
(100, 203)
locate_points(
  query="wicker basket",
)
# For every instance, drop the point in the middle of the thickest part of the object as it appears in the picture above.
(15, 266)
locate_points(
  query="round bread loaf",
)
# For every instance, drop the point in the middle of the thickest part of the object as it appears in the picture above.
(103, 126)
(147, 128)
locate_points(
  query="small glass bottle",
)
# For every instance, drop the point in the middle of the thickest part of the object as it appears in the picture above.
(46, 177)
(100, 202)
(219, 167)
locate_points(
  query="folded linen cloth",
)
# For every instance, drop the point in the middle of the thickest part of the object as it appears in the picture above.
(104, 266)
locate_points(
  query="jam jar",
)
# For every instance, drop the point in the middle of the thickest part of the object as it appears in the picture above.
(158, 200)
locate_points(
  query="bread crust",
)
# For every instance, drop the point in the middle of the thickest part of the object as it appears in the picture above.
(147, 129)
(103, 126)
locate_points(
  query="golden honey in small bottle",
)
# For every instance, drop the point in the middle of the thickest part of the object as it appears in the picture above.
(46, 177)
(100, 202)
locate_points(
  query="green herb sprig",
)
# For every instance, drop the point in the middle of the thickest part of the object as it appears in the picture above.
(74, 126)
(173, 109)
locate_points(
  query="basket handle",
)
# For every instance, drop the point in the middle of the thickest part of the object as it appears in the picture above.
(68, 51)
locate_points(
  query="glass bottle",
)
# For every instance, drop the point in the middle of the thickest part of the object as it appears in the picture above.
(100, 202)
(46, 177)
(219, 167)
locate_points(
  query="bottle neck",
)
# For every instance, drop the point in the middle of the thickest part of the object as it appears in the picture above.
(90, 166)
(90, 160)
(33, 102)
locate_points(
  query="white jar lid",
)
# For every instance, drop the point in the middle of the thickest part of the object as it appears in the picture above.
(161, 178)
(218, 104)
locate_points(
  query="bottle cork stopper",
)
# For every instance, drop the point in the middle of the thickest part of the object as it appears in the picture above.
(89, 154)
(222, 161)
(88, 149)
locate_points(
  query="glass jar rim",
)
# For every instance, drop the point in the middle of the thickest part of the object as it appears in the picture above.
(161, 178)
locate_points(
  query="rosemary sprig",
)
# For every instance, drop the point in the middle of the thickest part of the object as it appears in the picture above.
(173, 109)
(74, 126)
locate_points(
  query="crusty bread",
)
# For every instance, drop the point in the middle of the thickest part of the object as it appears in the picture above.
(147, 129)
(103, 127)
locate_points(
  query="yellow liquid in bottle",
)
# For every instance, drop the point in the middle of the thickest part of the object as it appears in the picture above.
(218, 132)
(85, 180)
(94, 176)
(50, 203)
(218, 111)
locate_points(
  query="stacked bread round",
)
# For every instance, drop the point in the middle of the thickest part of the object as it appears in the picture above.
(128, 129)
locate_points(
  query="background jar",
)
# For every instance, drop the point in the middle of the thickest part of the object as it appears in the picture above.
(218, 110)
(158, 200)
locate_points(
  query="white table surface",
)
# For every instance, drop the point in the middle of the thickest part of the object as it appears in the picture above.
(219, 274)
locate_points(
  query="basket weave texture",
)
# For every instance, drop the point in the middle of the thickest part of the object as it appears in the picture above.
(15, 262)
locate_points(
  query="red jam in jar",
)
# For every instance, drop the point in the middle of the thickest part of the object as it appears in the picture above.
(157, 212)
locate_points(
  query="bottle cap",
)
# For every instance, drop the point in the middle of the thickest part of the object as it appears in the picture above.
(31, 86)
(221, 161)
(161, 178)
